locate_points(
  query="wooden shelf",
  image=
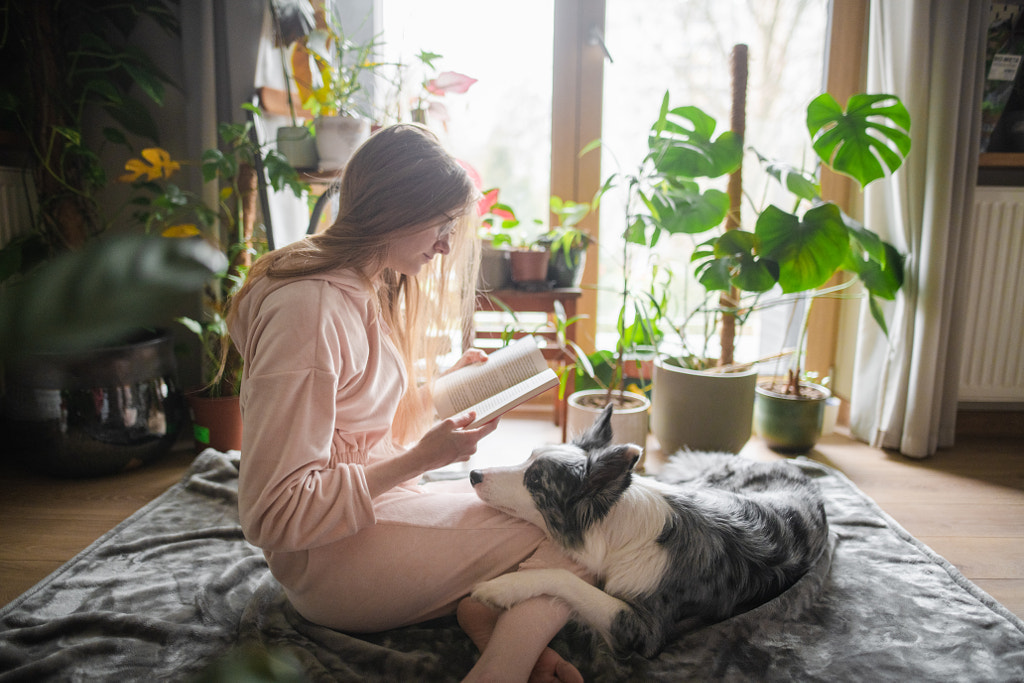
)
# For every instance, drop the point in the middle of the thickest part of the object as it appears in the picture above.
(1001, 160)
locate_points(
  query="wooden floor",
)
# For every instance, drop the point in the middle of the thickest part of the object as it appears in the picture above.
(966, 503)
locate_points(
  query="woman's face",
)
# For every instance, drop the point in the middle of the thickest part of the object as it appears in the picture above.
(410, 252)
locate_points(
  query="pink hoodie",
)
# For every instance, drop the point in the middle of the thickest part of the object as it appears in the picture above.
(313, 349)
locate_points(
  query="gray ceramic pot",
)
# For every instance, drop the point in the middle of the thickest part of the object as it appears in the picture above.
(701, 411)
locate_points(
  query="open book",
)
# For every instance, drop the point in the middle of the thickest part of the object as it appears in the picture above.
(512, 375)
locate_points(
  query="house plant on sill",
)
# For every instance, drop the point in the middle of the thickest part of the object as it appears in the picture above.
(231, 226)
(333, 94)
(801, 250)
(292, 23)
(566, 243)
(527, 254)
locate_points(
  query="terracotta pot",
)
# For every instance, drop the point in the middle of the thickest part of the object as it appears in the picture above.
(529, 266)
(216, 422)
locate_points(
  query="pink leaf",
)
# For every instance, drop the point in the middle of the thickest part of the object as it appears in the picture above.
(449, 81)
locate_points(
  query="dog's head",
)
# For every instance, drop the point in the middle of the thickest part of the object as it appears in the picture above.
(564, 488)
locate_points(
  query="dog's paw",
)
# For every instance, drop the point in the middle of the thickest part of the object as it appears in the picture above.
(504, 591)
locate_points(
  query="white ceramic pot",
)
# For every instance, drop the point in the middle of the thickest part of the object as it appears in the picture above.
(337, 138)
(298, 146)
(629, 422)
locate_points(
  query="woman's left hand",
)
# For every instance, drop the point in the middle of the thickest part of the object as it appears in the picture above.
(470, 357)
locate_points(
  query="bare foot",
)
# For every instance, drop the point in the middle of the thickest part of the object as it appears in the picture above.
(550, 667)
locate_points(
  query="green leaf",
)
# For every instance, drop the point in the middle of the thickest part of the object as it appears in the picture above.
(685, 146)
(95, 295)
(883, 278)
(134, 118)
(685, 209)
(715, 275)
(801, 183)
(636, 233)
(872, 135)
(808, 250)
(878, 314)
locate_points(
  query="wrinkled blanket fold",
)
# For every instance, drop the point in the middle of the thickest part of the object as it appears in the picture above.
(175, 587)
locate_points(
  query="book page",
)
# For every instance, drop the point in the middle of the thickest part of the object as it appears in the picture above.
(506, 400)
(456, 392)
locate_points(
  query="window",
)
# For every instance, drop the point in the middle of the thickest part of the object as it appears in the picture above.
(684, 47)
(502, 124)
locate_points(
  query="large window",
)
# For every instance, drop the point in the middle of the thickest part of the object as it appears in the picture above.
(502, 124)
(684, 47)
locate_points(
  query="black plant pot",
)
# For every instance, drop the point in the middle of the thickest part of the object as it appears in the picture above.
(567, 273)
(96, 412)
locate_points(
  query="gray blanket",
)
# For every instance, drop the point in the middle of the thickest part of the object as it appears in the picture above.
(175, 589)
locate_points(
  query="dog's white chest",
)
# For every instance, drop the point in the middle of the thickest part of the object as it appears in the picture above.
(622, 549)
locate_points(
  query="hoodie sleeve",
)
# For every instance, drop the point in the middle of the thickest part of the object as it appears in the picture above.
(318, 395)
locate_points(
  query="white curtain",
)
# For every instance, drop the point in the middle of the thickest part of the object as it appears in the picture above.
(931, 53)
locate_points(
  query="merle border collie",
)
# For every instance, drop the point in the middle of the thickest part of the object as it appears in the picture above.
(667, 558)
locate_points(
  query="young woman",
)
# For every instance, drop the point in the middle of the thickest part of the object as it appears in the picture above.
(339, 333)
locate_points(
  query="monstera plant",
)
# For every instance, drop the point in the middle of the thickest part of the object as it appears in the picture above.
(796, 250)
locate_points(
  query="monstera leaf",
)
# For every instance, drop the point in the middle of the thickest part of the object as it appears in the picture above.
(683, 145)
(872, 135)
(808, 249)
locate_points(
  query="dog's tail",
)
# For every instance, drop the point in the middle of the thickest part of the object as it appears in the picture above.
(686, 466)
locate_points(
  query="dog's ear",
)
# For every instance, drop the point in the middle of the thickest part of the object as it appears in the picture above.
(610, 468)
(599, 434)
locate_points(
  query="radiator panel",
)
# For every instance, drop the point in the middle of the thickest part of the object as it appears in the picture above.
(992, 368)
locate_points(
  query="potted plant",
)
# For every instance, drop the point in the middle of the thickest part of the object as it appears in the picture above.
(77, 85)
(163, 206)
(527, 253)
(292, 22)
(617, 376)
(333, 93)
(427, 104)
(798, 250)
(566, 243)
(72, 63)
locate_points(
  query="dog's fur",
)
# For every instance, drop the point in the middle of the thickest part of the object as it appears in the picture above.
(667, 558)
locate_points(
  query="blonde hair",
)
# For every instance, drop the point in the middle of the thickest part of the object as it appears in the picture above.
(398, 180)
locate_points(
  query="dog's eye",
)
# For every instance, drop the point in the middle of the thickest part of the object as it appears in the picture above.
(531, 477)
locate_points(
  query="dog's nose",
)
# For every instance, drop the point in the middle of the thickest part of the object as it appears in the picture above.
(475, 477)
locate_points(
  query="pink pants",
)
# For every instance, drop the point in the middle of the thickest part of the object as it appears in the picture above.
(429, 547)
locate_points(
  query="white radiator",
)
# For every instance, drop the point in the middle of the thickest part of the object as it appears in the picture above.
(992, 367)
(15, 213)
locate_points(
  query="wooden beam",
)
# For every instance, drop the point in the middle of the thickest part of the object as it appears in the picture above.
(846, 75)
(578, 85)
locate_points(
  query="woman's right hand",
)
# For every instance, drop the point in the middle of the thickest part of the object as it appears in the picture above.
(448, 441)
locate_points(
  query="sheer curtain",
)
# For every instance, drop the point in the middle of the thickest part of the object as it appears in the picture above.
(931, 53)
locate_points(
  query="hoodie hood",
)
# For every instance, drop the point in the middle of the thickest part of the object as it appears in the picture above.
(247, 309)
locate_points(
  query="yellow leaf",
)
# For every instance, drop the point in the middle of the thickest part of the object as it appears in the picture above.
(183, 230)
(155, 163)
(225, 193)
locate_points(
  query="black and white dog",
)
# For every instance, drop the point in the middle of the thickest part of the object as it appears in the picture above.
(667, 557)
